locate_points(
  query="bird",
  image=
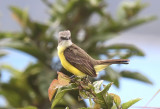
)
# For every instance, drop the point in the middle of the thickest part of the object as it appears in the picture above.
(75, 60)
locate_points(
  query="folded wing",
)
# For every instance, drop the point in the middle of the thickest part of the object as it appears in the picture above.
(80, 60)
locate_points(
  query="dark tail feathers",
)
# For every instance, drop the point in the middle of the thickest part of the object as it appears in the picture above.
(114, 61)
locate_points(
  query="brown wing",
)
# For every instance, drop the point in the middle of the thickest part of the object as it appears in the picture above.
(80, 59)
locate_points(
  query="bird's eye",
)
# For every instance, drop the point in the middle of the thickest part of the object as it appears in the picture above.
(63, 38)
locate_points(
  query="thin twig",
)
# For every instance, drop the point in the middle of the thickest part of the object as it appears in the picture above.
(146, 107)
(152, 98)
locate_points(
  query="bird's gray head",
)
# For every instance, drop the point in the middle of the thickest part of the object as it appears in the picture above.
(64, 38)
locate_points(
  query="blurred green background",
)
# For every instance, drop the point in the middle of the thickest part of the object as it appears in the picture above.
(103, 28)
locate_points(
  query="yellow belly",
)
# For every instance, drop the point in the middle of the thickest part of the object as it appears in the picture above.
(67, 65)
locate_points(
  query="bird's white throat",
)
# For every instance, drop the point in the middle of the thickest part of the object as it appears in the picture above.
(64, 44)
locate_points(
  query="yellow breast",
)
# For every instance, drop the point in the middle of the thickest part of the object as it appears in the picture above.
(67, 65)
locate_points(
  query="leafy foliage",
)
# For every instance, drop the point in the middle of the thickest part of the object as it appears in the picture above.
(101, 97)
(63, 80)
(61, 91)
(29, 86)
(136, 76)
(129, 103)
(116, 99)
(28, 107)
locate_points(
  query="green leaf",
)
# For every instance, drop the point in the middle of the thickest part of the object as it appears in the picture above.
(13, 71)
(112, 76)
(17, 88)
(84, 108)
(109, 101)
(28, 107)
(139, 21)
(116, 99)
(9, 95)
(135, 75)
(114, 107)
(102, 99)
(67, 108)
(84, 95)
(21, 16)
(30, 28)
(131, 50)
(5, 35)
(25, 47)
(130, 103)
(100, 37)
(97, 86)
(60, 93)
(130, 9)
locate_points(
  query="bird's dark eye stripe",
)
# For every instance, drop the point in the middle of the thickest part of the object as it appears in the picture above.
(64, 38)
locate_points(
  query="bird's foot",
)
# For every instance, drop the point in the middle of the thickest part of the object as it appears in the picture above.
(72, 77)
(84, 85)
